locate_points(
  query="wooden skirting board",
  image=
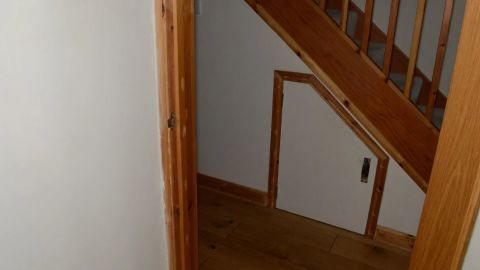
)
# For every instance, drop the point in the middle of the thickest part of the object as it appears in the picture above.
(239, 191)
(394, 238)
(383, 235)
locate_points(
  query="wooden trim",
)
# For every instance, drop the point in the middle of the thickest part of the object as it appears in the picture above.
(344, 20)
(414, 47)
(383, 159)
(334, 24)
(275, 135)
(390, 43)
(453, 197)
(322, 4)
(239, 191)
(175, 52)
(377, 195)
(399, 62)
(441, 51)
(418, 168)
(395, 238)
(367, 25)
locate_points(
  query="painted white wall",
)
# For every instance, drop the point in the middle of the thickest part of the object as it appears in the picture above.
(473, 252)
(81, 184)
(430, 35)
(237, 53)
(402, 202)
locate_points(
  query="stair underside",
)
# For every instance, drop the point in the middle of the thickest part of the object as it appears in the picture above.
(387, 115)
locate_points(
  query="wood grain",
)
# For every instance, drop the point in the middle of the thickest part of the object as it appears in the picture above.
(275, 136)
(377, 195)
(390, 42)
(344, 18)
(367, 25)
(388, 116)
(175, 51)
(322, 4)
(453, 197)
(440, 57)
(235, 234)
(372, 255)
(415, 47)
(399, 62)
(242, 192)
(396, 238)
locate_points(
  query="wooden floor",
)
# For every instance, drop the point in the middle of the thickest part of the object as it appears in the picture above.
(238, 235)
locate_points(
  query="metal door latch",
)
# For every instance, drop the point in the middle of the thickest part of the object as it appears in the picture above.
(365, 169)
(171, 121)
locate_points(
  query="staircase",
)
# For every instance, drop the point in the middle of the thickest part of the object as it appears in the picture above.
(402, 110)
(376, 52)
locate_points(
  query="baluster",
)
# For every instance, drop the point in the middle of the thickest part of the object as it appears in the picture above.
(417, 34)
(367, 25)
(390, 43)
(322, 4)
(343, 23)
(439, 60)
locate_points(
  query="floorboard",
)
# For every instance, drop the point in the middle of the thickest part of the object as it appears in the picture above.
(234, 234)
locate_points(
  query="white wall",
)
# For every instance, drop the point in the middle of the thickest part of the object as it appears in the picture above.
(471, 259)
(430, 35)
(81, 185)
(237, 53)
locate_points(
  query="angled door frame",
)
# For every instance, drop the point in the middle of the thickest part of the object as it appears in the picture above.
(175, 44)
(277, 111)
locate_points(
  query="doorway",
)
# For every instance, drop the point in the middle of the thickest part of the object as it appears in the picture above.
(175, 24)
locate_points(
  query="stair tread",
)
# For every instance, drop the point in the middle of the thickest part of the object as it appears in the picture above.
(391, 119)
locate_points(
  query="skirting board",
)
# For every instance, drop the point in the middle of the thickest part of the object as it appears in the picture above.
(239, 191)
(382, 235)
(394, 238)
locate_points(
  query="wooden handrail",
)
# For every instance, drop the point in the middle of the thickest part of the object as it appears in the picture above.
(343, 23)
(390, 43)
(439, 60)
(415, 46)
(367, 25)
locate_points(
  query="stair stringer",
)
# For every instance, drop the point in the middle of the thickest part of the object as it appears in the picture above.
(427, 144)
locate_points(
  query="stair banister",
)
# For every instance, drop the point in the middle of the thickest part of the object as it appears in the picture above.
(367, 25)
(344, 19)
(414, 48)
(440, 58)
(390, 43)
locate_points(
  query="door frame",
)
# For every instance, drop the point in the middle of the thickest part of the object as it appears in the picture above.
(175, 45)
(276, 131)
(453, 197)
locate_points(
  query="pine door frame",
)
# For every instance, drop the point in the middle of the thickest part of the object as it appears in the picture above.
(175, 44)
(453, 196)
